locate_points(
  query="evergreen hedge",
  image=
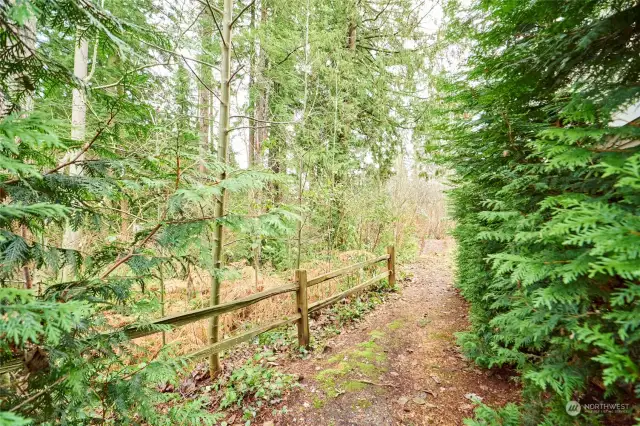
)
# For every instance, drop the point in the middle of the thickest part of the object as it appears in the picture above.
(547, 199)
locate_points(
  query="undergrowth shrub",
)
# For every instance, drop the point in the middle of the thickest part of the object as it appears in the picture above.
(354, 308)
(254, 385)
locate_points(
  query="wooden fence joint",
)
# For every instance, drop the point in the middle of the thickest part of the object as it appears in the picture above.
(391, 265)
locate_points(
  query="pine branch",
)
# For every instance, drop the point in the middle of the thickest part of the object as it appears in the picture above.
(195, 74)
(263, 121)
(75, 159)
(38, 394)
(241, 12)
(213, 9)
(171, 52)
(131, 251)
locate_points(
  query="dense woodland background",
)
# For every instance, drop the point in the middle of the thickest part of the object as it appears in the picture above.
(136, 182)
(158, 156)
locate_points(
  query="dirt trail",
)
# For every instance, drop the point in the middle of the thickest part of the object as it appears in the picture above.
(400, 365)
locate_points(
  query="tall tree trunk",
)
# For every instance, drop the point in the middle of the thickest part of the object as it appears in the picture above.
(223, 142)
(204, 96)
(257, 130)
(304, 125)
(112, 62)
(71, 238)
(124, 218)
(261, 130)
(351, 35)
(345, 133)
(276, 152)
(251, 153)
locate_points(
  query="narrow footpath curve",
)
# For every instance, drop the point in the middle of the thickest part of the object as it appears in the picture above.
(400, 365)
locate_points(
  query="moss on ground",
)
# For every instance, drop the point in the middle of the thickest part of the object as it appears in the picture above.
(423, 322)
(395, 324)
(443, 336)
(364, 403)
(376, 334)
(365, 360)
(318, 402)
(353, 385)
(369, 351)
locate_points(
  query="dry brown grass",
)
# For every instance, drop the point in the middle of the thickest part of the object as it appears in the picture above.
(419, 212)
(191, 337)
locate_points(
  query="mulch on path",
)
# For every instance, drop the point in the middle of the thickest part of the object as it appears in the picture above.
(400, 365)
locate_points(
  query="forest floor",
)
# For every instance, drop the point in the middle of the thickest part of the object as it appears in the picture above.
(400, 365)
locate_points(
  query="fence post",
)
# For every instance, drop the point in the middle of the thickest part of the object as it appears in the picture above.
(302, 302)
(391, 265)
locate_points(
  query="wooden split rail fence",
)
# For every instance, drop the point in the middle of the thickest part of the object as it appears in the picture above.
(301, 318)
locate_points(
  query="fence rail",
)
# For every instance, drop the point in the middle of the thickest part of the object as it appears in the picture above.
(301, 318)
(333, 299)
(177, 320)
(343, 271)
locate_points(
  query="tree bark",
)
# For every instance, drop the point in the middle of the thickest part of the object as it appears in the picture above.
(71, 238)
(340, 239)
(351, 37)
(204, 96)
(257, 130)
(261, 130)
(251, 153)
(223, 142)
